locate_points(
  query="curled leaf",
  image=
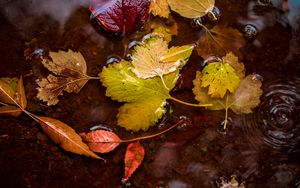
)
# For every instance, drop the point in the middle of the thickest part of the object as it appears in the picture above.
(133, 158)
(101, 141)
(65, 136)
(70, 68)
(10, 111)
(120, 16)
(192, 8)
(219, 41)
(160, 8)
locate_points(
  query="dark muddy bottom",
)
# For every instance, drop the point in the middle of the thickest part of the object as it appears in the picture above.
(261, 149)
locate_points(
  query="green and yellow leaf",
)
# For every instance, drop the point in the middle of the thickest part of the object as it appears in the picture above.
(146, 98)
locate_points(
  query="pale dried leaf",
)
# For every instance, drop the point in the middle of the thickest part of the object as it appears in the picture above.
(246, 97)
(192, 8)
(70, 68)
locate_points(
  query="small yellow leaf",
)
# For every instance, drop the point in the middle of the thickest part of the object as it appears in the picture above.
(21, 96)
(177, 53)
(219, 77)
(160, 8)
(7, 93)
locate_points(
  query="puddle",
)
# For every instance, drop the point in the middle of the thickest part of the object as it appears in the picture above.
(261, 149)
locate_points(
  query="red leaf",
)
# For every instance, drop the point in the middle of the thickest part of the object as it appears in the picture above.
(133, 158)
(101, 141)
(120, 16)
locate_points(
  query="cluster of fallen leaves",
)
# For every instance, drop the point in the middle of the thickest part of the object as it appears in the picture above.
(13, 102)
(143, 83)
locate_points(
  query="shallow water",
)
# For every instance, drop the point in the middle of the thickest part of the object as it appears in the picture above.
(261, 149)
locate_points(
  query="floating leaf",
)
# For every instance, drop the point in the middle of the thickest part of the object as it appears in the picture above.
(192, 8)
(160, 8)
(70, 68)
(10, 111)
(220, 77)
(21, 96)
(219, 41)
(242, 100)
(101, 141)
(120, 16)
(142, 95)
(65, 136)
(133, 158)
(147, 58)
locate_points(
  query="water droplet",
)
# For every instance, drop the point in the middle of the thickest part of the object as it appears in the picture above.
(250, 31)
(214, 15)
(195, 22)
(113, 59)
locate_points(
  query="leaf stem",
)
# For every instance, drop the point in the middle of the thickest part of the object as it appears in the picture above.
(4, 104)
(189, 104)
(154, 135)
(226, 112)
(163, 82)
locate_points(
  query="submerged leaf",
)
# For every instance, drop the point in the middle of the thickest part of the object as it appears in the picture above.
(70, 68)
(134, 156)
(101, 141)
(192, 8)
(65, 136)
(10, 111)
(163, 29)
(147, 58)
(219, 41)
(120, 16)
(123, 85)
(160, 8)
(219, 77)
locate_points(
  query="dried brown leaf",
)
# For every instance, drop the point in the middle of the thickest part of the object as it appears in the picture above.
(219, 41)
(70, 68)
(65, 136)
(101, 141)
(10, 111)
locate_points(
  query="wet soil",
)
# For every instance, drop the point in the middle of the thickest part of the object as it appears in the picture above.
(262, 149)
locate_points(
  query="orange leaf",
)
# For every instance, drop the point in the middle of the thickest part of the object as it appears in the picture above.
(21, 96)
(219, 41)
(65, 136)
(10, 110)
(133, 158)
(101, 141)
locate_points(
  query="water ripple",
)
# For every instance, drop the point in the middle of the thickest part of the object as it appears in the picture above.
(276, 122)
